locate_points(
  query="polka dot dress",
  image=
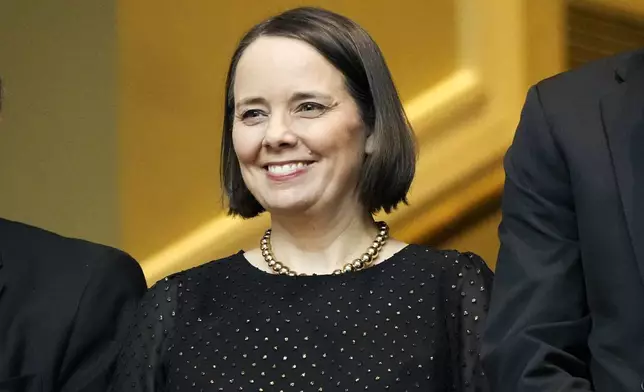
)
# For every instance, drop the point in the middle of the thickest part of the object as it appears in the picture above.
(410, 323)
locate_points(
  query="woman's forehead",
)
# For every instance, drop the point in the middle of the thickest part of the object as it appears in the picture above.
(277, 64)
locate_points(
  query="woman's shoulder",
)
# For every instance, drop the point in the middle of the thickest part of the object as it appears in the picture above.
(445, 257)
(464, 280)
(199, 274)
(165, 299)
(451, 262)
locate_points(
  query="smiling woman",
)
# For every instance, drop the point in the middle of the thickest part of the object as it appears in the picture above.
(315, 135)
(311, 85)
(298, 152)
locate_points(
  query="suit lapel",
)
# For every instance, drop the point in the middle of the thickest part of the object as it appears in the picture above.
(623, 116)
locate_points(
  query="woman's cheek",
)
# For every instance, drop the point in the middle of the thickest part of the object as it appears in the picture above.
(246, 145)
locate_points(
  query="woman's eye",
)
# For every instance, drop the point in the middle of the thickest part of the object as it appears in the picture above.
(252, 116)
(253, 113)
(311, 109)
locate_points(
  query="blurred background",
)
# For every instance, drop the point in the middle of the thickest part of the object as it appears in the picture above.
(113, 109)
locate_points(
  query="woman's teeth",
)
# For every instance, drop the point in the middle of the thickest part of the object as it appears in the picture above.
(287, 168)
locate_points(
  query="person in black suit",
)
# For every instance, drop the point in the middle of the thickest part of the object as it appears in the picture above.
(567, 309)
(60, 303)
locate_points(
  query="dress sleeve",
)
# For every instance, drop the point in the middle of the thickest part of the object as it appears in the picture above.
(140, 363)
(468, 294)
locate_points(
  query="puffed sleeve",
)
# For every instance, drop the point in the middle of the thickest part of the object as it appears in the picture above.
(469, 283)
(140, 364)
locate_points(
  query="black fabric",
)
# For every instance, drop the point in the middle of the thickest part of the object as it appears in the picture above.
(60, 303)
(410, 323)
(567, 307)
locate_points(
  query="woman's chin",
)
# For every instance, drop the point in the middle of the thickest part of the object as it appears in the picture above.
(290, 208)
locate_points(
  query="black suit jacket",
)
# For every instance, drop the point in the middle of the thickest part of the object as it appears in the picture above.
(60, 303)
(567, 309)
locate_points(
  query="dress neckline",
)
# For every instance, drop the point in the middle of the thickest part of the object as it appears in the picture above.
(380, 267)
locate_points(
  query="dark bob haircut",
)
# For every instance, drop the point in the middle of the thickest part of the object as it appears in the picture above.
(388, 171)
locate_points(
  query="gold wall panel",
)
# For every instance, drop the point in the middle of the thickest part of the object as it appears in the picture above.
(58, 138)
(480, 235)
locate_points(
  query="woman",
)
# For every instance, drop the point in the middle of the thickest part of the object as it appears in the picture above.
(315, 135)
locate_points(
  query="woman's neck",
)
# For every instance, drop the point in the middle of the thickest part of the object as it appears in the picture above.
(320, 246)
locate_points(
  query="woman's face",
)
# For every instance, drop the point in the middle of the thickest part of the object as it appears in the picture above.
(298, 133)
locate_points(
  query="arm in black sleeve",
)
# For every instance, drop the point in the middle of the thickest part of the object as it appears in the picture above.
(116, 282)
(538, 325)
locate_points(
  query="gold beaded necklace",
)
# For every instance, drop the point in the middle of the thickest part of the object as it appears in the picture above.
(363, 262)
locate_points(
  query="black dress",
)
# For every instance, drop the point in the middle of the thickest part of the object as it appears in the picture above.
(410, 323)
